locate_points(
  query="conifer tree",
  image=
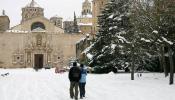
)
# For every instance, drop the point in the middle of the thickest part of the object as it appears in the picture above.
(157, 22)
(75, 26)
(112, 21)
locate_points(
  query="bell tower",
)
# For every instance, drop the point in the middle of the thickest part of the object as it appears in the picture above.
(97, 7)
(31, 10)
(86, 8)
(4, 21)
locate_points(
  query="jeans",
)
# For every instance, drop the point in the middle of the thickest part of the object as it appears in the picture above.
(82, 89)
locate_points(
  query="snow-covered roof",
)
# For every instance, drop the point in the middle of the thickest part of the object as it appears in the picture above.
(17, 31)
(85, 24)
(86, 16)
(38, 30)
(32, 4)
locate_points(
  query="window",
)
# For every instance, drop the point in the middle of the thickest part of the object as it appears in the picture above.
(18, 58)
(37, 25)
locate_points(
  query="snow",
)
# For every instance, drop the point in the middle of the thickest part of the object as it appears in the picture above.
(159, 40)
(122, 39)
(169, 42)
(115, 27)
(120, 46)
(118, 18)
(143, 39)
(113, 46)
(26, 84)
(85, 24)
(111, 16)
(148, 54)
(87, 16)
(88, 48)
(155, 31)
(17, 31)
(81, 40)
(110, 28)
(38, 30)
(90, 56)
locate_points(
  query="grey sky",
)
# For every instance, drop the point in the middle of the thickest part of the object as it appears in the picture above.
(62, 8)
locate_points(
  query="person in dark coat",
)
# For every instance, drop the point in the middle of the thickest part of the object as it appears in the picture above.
(74, 77)
(82, 81)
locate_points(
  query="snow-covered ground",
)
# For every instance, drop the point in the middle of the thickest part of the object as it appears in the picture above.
(26, 84)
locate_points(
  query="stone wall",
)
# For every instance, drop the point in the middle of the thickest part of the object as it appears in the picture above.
(17, 48)
(81, 46)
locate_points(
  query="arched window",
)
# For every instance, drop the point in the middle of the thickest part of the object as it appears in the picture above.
(37, 25)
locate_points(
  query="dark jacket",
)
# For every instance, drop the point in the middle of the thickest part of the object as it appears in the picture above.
(74, 74)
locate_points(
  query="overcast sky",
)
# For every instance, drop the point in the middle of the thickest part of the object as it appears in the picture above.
(62, 8)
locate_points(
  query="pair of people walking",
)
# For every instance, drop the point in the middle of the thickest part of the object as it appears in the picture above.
(77, 77)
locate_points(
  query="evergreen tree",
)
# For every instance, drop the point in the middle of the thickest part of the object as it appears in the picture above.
(112, 21)
(75, 26)
(157, 23)
(118, 43)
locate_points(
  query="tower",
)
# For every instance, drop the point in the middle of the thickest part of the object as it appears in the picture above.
(97, 7)
(75, 26)
(4, 22)
(86, 8)
(57, 21)
(31, 10)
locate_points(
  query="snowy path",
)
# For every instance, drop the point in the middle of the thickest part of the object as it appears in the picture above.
(26, 84)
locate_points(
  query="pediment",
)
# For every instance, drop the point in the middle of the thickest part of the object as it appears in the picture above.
(26, 25)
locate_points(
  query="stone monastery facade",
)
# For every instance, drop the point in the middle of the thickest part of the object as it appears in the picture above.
(36, 42)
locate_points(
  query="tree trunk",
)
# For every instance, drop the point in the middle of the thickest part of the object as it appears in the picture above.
(132, 70)
(132, 64)
(163, 61)
(171, 66)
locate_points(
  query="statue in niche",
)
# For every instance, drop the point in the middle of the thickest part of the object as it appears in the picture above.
(28, 57)
(38, 40)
